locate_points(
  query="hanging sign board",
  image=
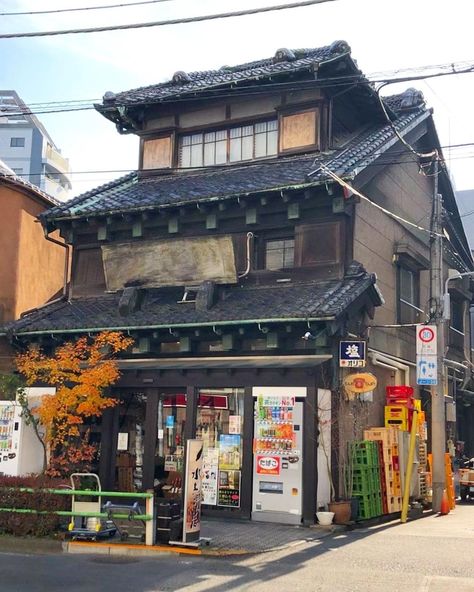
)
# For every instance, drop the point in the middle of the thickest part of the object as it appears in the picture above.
(426, 337)
(352, 354)
(362, 382)
(192, 491)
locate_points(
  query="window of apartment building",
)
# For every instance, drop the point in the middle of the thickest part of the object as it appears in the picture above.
(17, 142)
(408, 295)
(231, 145)
(18, 171)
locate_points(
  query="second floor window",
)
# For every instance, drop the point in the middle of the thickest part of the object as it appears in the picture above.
(279, 254)
(231, 145)
(409, 300)
(17, 142)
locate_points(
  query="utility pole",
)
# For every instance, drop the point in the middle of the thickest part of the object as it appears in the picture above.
(438, 409)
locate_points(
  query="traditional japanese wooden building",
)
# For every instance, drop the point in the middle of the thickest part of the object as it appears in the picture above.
(238, 264)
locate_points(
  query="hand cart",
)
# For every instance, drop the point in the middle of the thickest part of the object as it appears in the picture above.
(88, 527)
(132, 510)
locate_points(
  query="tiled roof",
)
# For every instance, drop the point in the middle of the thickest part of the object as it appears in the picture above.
(284, 62)
(160, 307)
(131, 193)
(9, 176)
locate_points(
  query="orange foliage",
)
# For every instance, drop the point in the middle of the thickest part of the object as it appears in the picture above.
(80, 371)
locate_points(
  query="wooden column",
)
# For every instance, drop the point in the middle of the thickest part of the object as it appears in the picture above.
(247, 458)
(108, 447)
(151, 432)
(310, 457)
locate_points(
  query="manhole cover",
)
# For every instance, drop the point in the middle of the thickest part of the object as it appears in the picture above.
(115, 559)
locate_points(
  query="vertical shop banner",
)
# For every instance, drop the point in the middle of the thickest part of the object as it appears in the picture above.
(229, 452)
(210, 471)
(229, 489)
(192, 491)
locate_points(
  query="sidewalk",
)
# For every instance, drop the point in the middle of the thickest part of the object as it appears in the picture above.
(228, 537)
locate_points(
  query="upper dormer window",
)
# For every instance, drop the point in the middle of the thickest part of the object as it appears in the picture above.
(230, 145)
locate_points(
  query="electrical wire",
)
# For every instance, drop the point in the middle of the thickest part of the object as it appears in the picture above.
(59, 10)
(177, 21)
(346, 185)
(224, 93)
(372, 77)
(364, 162)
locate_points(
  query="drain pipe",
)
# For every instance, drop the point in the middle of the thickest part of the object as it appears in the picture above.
(385, 361)
(65, 277)
(250, 236)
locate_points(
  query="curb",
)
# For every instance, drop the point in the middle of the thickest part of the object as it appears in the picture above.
(12, 544)
(30, 545)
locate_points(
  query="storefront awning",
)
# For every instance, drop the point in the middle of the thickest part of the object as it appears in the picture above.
(225, 362)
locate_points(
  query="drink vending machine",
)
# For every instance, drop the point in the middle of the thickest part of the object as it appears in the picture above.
(278, 461)
(21, 452)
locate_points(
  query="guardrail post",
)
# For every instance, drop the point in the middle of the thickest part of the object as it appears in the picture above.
(150, 528)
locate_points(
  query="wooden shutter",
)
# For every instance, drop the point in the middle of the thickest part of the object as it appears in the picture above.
(318, 244)
(157, 153)
(299, 130)
(240, 252)
(88, 272)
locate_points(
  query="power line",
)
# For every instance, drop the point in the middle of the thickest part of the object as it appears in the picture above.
(384, 161)
(83, 8)
(372, 77)
(178, 21)
(223, 93)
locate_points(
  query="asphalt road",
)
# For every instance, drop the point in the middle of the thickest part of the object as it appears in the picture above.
(434, 554)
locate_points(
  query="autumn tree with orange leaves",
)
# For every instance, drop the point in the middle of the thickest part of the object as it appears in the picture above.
(81, 371)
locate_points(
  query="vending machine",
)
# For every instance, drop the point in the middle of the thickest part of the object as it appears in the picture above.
(21, 452)
(278, 455)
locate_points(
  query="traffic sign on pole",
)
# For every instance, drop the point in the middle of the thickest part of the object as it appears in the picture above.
(426, 369)
(426, 337)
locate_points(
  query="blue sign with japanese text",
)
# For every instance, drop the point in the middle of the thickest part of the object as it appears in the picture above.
(352, 354)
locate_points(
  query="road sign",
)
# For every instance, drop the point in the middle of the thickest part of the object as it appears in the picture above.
(426, 369)
(352, 354)
(426, 340)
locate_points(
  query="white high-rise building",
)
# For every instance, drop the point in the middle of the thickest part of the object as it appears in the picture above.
(27, 148)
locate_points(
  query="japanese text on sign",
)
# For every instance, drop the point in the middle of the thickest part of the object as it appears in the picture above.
(352, 354)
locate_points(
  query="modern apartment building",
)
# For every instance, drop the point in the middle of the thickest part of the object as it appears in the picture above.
(27, 148)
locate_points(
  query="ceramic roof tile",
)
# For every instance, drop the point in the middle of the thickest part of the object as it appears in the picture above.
(305, 300)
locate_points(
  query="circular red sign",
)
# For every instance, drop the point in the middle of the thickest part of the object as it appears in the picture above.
(426, 334)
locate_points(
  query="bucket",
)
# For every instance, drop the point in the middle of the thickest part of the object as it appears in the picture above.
(325, 518)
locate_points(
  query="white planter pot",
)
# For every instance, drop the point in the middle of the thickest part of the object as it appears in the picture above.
(325, 518)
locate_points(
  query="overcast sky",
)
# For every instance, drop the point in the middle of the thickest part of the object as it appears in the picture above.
(384, 36)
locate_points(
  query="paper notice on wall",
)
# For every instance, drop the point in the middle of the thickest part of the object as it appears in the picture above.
(210, 466)
(229, 452)
(234, 424)
(122, 441)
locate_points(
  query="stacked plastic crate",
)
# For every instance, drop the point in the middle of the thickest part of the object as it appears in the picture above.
(387, 440)
(366, 478)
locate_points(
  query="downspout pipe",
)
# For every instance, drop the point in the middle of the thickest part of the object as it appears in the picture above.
(64, 295)
(390, 363)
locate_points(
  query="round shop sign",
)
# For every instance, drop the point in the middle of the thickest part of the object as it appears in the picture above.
(362, 382)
